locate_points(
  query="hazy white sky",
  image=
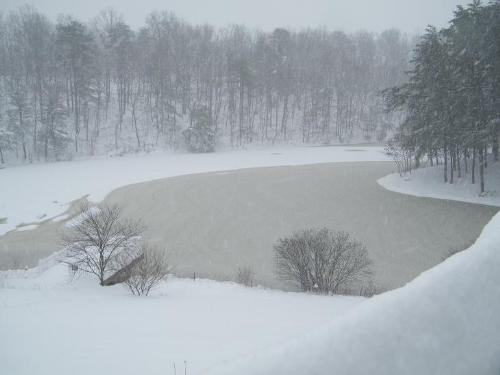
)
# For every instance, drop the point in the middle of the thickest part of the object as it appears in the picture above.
(349, 15)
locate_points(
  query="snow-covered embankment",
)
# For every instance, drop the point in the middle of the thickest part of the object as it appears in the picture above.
(444, 322)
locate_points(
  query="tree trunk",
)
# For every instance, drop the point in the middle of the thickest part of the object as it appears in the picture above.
(452, 167)
(46, 146)
(495, 146)
(241, 114)
(445, 164)
(134, 119)
(466, 161)
(284, 117)
(473, 167)
(35, 131)
(481, 169)
(101, 268)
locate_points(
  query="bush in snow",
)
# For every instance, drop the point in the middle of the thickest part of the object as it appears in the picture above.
(368, 289)
(245, 276)
(98, 238)
(147, 271)
(322, 261)
(200, 137)
(401, 155)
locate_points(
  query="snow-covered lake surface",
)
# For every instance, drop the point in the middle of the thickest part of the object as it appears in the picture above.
(214, 223)
(32, 193)
(444, 322)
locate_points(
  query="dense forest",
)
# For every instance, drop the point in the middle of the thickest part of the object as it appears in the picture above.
(72, 88)
(452, 100)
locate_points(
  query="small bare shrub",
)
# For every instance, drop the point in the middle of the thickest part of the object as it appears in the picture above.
(401, 153)
(147, 271)
(246, 276)
(322, 261)
(369, 289)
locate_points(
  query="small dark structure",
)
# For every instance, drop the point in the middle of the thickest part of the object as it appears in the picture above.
(122, 274)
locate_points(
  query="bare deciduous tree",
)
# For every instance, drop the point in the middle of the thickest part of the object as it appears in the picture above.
(321, 260)
(98, 238)
(151, 268)
(246, 276)
(61, 83)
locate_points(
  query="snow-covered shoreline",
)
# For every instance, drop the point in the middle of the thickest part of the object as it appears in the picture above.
(428, 182)
(444, 322)
(34, 193)
(50, 324)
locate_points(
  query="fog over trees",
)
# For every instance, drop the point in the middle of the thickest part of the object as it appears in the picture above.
(82, 89)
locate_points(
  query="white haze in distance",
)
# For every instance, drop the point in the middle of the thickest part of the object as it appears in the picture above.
(349, 15)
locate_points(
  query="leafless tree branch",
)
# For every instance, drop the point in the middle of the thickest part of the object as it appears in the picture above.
(97, 238)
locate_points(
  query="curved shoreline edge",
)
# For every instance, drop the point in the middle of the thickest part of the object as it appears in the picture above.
(30, 195)
(425, 327)
(443, 322)
(416, 186)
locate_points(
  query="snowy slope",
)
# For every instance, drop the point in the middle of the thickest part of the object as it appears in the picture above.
(31, 193)
(444, 322)
(428, 182)
(49, 325)
(447, 321)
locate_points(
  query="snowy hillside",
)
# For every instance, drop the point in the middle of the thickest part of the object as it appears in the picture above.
(51, 325)
(428, 182)
(444, 322)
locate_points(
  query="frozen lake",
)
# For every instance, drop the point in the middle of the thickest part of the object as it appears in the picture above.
(214, 223)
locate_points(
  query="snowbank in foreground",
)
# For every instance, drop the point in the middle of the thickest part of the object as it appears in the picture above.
(446, 321)
(50, 326)
(428, 182)
(31, 193)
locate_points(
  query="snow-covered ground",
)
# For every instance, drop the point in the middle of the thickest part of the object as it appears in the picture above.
(447, 321)
(51, 325)
(428, 182)
(33, 193)
(444, 322)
